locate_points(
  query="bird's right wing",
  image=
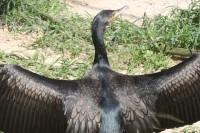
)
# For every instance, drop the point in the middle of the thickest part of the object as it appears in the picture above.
(84, 116)
(29, 103)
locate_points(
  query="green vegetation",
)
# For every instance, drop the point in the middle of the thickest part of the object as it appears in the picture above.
(180, 29)
(129, 46)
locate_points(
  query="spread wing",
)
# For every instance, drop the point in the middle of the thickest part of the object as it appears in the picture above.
(29, 103)
(178, 93)
(165, 99)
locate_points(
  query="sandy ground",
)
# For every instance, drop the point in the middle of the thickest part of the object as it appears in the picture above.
(137, 8)
(17, 43)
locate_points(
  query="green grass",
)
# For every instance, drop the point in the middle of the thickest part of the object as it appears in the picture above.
(181, 28)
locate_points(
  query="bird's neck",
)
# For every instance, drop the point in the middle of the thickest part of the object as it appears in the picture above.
(100, 58)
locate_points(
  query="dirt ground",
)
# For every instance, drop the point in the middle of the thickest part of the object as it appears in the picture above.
(136, 7)
(17, 43)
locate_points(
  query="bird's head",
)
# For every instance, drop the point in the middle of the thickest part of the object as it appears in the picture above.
(100, 21)
(104, 17)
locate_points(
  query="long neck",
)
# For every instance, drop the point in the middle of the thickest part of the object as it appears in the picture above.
(98, 40)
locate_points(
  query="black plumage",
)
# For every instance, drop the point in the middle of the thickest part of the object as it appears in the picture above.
(104, 101)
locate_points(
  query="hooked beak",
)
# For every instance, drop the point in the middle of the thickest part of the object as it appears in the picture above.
(119, 11)
(116, 13)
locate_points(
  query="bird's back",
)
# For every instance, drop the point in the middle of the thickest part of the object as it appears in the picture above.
(121, 107)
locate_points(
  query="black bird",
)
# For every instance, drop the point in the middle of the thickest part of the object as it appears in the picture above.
(104, 101)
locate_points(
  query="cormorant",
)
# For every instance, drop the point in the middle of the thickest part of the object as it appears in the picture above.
(104, 101)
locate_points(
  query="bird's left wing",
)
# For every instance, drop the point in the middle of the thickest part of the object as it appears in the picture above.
(176, 91)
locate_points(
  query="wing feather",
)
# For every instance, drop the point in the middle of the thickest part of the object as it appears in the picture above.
(178, 92)
(85, 115)
(29, 102)
(135, 115)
